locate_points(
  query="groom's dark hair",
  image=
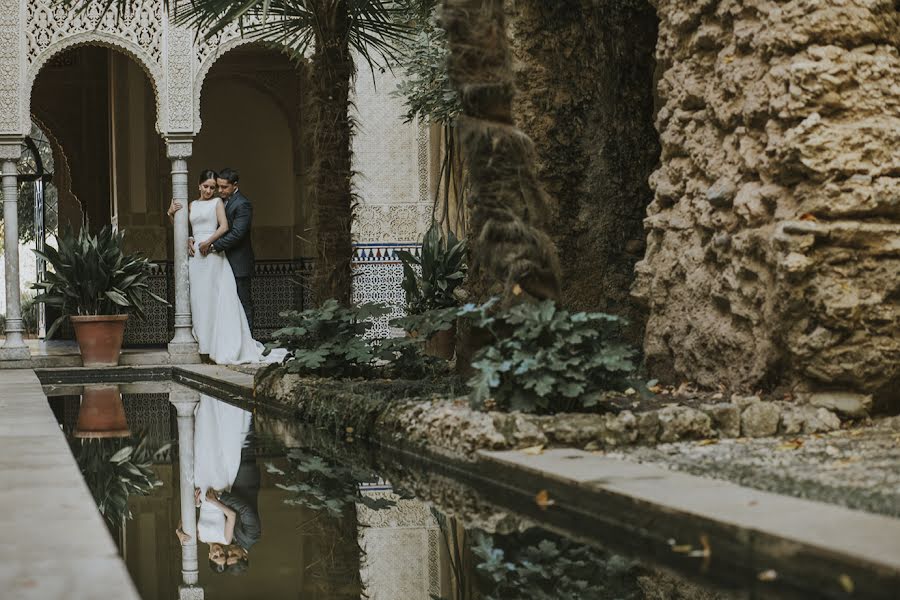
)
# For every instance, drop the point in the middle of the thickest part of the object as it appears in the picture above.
(230, 175)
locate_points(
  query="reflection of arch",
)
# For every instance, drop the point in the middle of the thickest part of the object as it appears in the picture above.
(106, 40)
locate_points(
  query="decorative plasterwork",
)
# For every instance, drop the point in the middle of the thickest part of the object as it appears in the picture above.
(51, 28)
(379, 223)
(11, 16)
(179, 149)
(180, 79)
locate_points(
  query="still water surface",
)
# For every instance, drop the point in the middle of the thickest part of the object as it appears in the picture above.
(317, 520)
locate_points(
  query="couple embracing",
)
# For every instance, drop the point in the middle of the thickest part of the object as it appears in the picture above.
(221, 268)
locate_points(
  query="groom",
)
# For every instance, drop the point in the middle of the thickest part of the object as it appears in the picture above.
(236, 243)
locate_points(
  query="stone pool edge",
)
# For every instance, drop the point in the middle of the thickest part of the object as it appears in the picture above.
(678, 520)
(55, 544)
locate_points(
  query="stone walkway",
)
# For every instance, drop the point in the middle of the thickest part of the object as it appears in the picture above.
(857, 468)
(54, 542)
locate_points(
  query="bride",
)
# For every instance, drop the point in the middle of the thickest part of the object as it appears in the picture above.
(227, 523)
(220, 324)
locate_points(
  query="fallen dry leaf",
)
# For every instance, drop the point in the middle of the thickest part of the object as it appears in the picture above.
(706, 553)
(808, 217)
(707, 442)
(543, 500)
(682, 548)
(630, 392)
(534, 450)
(846, 583)
(791, 444)
(349, 430)
(768, 575)
(517, 290)
(655, 389)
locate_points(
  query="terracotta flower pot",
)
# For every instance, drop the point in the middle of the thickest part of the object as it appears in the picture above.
(102, 414)
(99, 338)
(442, 344)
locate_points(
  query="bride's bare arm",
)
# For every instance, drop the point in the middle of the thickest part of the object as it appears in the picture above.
(222, 220)
(174, 207)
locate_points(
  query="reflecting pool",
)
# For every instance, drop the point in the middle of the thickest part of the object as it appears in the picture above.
(207, 500)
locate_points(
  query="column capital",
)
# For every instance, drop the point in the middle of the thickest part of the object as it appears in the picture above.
(10, 149)
(185, 401)
(179, 147)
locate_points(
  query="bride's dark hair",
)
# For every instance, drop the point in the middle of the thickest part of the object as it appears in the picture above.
(207, 174)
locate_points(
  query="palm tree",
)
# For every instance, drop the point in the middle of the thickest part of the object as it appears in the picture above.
(511, 252)
(333, 30)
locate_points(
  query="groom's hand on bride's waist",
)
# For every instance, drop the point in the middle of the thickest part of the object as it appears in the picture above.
(205, 248)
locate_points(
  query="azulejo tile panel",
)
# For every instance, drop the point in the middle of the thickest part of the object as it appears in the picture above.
(378, 277)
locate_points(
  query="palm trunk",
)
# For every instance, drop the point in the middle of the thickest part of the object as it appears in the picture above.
(331, 74)
(510, 250)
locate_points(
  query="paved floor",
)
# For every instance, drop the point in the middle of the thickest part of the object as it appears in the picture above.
(54, 542)
(64, 353)
(858, 467)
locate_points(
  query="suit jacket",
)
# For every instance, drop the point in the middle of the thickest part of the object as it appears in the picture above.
(236, 243)
(243, 498)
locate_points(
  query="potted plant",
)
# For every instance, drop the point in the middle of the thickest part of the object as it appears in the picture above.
(96, 285)
(430, 279)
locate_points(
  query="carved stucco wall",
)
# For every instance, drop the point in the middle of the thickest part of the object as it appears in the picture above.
(392, 162)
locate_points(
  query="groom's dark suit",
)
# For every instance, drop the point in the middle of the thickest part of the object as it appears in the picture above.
(238, 248)
(244, 499)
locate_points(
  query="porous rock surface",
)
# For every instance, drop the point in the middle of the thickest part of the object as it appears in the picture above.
(773, 240)
(432, 416)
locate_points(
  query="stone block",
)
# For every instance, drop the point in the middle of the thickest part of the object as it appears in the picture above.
(848, 404)
(760, 419)
(726, 418)
(682, 422)
(808, 419)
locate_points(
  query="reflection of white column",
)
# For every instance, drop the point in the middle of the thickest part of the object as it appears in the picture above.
(401, 548)
(14, 348)
(182, 348)
(185, 401)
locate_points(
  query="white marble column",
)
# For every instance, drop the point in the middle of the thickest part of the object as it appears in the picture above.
(183, 348)
(186, 401)
(14, 352)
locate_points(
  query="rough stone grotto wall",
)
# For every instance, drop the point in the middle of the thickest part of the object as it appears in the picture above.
(584, 72)
(773, 240)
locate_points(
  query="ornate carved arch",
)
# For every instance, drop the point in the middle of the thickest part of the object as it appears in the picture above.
(208, 54)
(106, 40)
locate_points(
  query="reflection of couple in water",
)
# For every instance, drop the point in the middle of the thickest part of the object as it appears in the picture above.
(226, 480)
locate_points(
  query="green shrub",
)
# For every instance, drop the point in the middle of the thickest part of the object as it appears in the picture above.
(29, 313)
(443, 268)
(544, 359)
(328, 340)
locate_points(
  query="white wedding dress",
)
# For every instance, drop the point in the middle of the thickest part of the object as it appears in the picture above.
(220, 431)
(220, 324)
